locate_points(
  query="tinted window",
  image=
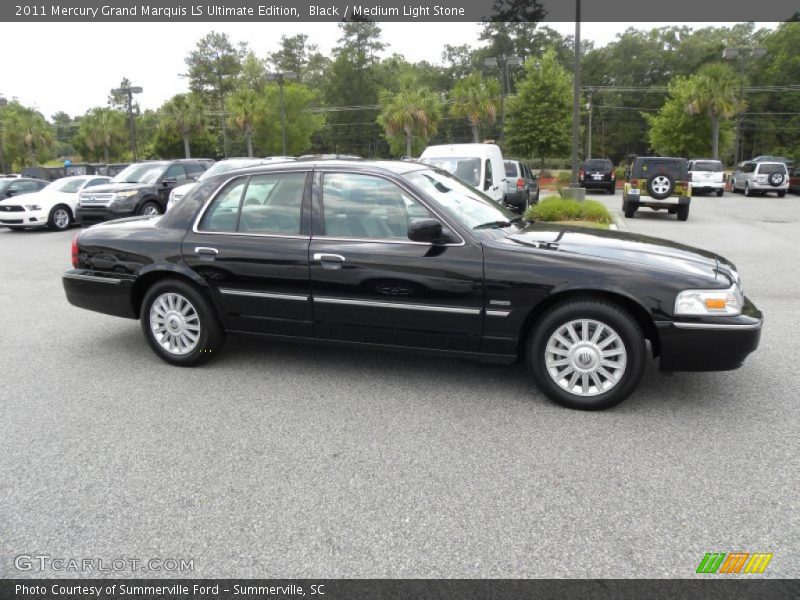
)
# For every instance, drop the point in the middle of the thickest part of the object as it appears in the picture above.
(140, 173)
(363, 206)
(511, 168)
(24, 186)
(707, 165)
(195, 169)
(96, 182)
(670, 167)
(176, 172)
(272, 204)
(749, 167)
(597, 165)
(770, 169)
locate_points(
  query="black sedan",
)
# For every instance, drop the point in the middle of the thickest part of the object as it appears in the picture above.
(402, 255)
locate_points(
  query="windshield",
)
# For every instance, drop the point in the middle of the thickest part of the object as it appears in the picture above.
(228, 165)
(708, 165)
(463, 203)
(465, 168)
(65, 186)
(140, 173)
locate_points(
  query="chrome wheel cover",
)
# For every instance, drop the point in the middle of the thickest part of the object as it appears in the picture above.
(150, 211)
(660, 184)
(585, 357)
(61, 218)
(174, 323)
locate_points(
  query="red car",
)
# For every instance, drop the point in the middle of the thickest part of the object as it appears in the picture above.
(794, 181)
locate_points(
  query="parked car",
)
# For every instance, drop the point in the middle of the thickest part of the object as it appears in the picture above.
(140, 189)
(794, 181)
(598, 173)
(753, 177)
(660, 183)
(222, 166)
(114, 169)
(479, 165)
(783, 159)
(399, 254)
(706, 176)
(522, 186)
(54, 206)
(11, 187)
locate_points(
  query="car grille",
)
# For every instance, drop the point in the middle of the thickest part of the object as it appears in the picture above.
(9, 208)
(11, 221)
(88, 200)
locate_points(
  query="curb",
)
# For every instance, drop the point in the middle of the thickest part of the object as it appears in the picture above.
(619, 224)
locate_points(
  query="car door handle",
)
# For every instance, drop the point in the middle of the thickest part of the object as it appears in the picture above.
(205, 252)
(329, 261)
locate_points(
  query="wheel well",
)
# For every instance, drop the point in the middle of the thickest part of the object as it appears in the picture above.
(639, 314)
(145, 282)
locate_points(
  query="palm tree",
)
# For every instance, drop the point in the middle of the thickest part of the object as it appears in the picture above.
(101, 129)
(414, 111)
(183, 114)
(714, 89)
(246, 109)
(476, 99)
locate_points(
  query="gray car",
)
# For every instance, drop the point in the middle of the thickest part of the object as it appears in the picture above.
(521, 184)
(752, 177)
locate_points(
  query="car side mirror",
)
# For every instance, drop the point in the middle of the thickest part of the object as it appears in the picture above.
(10, 192)
(169, 181)
(627, 173)
(428, 231)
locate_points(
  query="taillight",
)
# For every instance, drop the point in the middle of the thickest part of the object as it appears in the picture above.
(520, 184)
(581, 174)
(75, 262)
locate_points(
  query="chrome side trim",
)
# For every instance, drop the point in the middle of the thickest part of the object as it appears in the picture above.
(93, 278)
(399, 305)
(270, 295)
(743, 327)
(498, 313)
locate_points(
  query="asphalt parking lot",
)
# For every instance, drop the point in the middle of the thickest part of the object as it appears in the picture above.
(291, 460)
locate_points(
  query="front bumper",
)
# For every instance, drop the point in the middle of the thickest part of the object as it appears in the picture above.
(90, 216)
(26, 218)
(105, 293)
(709, 344)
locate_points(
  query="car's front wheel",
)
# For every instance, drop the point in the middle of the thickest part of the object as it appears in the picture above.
(180, 324)
(587, 354)
(60, 218)
(747, 190)
(720, 192)
(150, 209)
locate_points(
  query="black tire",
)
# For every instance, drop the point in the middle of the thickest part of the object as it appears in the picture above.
(781, 194)
(720, 192)
(683, 212)
(60, 218)
(149, 207)
(747, 191)
(612, 189)
(628, 337)
(656, 183)
(628, 208)
(776, 179)
(209, 332)
(734, 189)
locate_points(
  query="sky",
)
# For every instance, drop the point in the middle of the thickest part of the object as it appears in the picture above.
(72, 67)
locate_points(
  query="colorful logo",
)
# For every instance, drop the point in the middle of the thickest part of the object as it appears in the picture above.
(734, 562)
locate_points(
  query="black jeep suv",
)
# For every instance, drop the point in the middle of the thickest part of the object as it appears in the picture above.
(140, 189)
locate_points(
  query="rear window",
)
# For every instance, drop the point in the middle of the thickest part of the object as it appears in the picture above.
(714, 166)
(770, 169)
(511, 168)
(597, 165)
(671, 167)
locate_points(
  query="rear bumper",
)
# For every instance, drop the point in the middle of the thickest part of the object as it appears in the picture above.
(105, 293)
(708, 185)
(709, 346)
(591, 184)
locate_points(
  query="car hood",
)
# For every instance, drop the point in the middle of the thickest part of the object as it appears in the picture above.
(115, 187)
(622, 247)
(50, 197)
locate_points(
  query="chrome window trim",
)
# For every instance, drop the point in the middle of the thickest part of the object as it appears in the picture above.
(269, 295)
(398, 305)
(212, 197)
(93, 278)
(403, 186)
(743, 327)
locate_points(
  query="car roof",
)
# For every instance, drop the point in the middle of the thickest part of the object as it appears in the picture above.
(397, 167)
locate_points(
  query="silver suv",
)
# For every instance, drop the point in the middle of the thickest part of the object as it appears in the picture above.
(753, 177)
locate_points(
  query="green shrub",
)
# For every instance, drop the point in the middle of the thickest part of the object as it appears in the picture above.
(553, 208)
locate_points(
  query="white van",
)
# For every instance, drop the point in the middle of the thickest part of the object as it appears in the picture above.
(479, 165)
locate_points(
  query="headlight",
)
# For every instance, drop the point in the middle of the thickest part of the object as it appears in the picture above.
(33, 207)
(724, 303)
(126, 195)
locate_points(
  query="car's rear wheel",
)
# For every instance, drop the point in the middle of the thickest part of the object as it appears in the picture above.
(60, 218)
(180, 324)
(720, 192)
(628, 208)
(150, 209)
(587, 354)
(683, 213)
(781, 194)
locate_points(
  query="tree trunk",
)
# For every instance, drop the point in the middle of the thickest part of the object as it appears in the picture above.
(475, 134)
(106, 153)
(715, 137)
(249, 137)
(408, 142)
(186, 149)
